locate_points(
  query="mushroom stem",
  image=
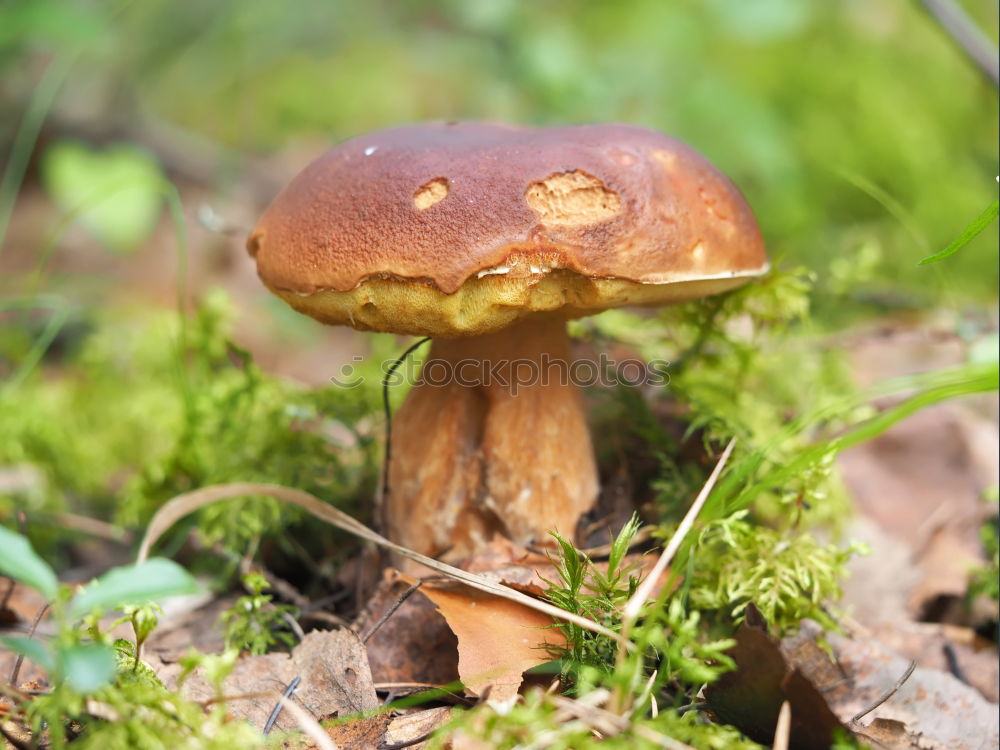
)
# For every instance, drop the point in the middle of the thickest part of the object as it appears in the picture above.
(493, 439)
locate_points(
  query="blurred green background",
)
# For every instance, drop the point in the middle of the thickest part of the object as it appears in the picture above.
(860, 134)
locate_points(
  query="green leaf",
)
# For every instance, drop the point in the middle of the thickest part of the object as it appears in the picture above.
(116, 192)
(133, 584)
(620, 546)
(19, 561)
(968, 234)
(32, 648)
(87, 668)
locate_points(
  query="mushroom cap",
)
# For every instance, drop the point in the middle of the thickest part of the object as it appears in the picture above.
(457, 229)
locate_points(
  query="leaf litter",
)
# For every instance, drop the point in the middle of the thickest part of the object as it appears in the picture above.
(849, 683)
(334, 680)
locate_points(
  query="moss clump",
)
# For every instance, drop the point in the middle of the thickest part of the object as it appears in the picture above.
(147, 406)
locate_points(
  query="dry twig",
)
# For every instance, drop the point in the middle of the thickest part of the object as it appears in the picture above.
(966, 35)
(391, 611)
(886, 695)
(16, 672)
(783, 729)
(645, 590)
(308, 724)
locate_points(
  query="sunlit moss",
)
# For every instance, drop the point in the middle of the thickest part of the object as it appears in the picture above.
(148, 408)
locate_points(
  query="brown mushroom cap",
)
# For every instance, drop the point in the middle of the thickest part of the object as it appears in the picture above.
(456, 229)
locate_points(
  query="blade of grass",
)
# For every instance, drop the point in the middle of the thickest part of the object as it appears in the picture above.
(59, 315)
(27, 134)
(933, 387)
(633, 607)
(888, 202)
(963, 381)
(968, 234)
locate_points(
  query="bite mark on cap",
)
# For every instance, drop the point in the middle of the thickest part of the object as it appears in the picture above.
(430, 193)
(572, 199)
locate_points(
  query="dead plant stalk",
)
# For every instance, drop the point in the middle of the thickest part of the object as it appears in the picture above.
(188, 502)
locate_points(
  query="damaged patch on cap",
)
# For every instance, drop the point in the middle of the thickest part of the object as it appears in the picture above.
(572, 199)
(430, 193)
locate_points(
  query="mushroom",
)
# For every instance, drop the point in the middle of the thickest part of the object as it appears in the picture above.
(488, 238)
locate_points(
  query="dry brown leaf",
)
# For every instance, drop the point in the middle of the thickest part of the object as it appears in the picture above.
(928, 644)
(331, 664)
(363, 734)
(936, 709)
(497, 639)
(889, 734)
(751, 697)
(511, 565)
(414, 725)
(199, 629)
(414, 644)
(921, 483)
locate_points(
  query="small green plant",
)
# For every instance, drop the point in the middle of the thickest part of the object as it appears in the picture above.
(143, 618)
(101, 695)
(670, 648)
(584, 589)
(985, 580)
(79, 660)
(254, 623)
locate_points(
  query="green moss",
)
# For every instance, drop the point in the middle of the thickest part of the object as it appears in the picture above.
(789, 576)
(147, 408)
(540, 717)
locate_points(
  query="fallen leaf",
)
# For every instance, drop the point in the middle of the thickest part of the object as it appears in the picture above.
(497, 639)
(414, 645)
(929, 644)
(412, 726)
(751, 696)
(199, 628)
(922, 483)
(364, 734)
(935, 707)
(505, 562)
(334, 680)
(889, 734)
